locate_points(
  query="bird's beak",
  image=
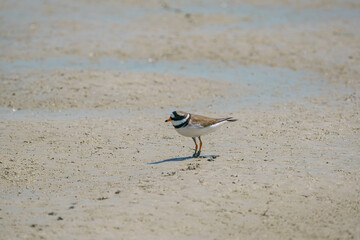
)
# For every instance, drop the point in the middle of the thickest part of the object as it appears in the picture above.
(168, 120)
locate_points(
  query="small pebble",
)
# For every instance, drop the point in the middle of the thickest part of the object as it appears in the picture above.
(102, 198)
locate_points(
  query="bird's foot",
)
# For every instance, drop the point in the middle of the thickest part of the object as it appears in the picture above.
(197, 154)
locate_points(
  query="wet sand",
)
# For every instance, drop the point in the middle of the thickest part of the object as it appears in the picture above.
(86, 87)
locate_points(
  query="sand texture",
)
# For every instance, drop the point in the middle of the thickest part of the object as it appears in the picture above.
(85, 87)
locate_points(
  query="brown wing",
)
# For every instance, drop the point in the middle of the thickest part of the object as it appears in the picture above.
(207, 121)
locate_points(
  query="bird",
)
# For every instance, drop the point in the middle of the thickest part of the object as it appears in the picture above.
(194, 126)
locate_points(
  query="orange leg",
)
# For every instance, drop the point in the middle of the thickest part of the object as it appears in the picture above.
(196, 147)
(197, 154)
(200, 147)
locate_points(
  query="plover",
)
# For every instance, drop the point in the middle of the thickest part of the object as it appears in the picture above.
(194, 126)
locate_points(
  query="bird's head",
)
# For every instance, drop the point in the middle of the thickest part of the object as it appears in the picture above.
(177, 117)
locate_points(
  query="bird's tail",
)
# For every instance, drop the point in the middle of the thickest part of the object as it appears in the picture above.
(228, 119)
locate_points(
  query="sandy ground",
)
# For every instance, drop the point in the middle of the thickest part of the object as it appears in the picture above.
(85, 152)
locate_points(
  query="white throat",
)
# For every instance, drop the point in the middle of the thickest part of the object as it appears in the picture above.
(179, 122)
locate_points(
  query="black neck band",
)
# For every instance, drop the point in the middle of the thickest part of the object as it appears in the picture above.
(184, 124)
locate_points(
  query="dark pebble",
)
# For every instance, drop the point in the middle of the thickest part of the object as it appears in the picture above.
(102, 198)
(117, 192)
(60, 218)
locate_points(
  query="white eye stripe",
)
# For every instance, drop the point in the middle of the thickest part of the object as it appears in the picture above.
(172, 115)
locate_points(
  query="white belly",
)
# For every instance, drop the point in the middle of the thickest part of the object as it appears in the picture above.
(196, 131)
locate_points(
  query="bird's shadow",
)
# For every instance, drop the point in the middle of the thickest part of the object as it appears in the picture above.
(179, 159)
